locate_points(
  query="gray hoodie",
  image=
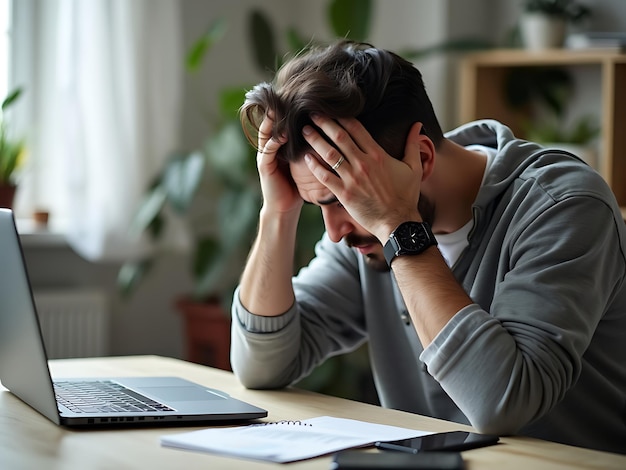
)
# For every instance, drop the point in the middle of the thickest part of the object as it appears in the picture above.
(541, 352)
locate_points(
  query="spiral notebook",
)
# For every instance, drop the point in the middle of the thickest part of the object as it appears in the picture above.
(288, 441)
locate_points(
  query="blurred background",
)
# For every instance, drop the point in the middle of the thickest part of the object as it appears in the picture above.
(134, 191)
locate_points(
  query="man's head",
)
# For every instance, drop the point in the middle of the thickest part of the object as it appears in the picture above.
(345, 80)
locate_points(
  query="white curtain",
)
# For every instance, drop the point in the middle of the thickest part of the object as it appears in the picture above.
(105, 91)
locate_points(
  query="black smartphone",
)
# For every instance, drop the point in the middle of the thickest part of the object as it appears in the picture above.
(443, 441)
(362, 460)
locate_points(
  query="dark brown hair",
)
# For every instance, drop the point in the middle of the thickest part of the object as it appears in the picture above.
(347, 79)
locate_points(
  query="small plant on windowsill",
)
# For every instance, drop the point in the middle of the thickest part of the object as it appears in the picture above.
(11, 153)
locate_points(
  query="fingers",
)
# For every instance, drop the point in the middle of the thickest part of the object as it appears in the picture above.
(359, 135)
(265, 131)
(344, 148)
(268, 146)
(351, 139)
(336, 166)
(329, 179)
(329, 154)
(266, 143)
(271, 147)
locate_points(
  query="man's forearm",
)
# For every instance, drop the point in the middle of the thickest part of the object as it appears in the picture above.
(430, 291)
(265, 287)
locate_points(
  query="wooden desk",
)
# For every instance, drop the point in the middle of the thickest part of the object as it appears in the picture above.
(29, 441)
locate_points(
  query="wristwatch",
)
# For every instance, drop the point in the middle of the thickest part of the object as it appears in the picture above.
(409, 238)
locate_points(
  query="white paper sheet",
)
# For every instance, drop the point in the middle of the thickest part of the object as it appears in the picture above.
(288, 441)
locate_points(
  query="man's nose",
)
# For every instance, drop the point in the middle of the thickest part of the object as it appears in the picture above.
(337, 221)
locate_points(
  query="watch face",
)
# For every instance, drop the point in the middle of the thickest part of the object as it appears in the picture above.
(412, 236)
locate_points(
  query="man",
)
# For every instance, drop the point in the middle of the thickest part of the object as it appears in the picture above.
(504, 306)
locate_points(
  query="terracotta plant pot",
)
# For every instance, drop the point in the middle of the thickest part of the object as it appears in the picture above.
(207, 332)
(7, 195)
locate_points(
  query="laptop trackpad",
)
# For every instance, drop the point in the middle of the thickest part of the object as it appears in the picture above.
(181, 393)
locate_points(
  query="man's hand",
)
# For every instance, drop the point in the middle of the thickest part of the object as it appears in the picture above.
(279, 193)
(265, 287)
(377, 190)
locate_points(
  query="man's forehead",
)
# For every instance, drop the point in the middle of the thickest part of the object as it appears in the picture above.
(309, 187)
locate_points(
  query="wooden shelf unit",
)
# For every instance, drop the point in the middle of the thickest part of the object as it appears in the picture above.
(481, 96)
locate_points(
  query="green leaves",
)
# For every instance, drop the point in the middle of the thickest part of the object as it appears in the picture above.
(262, 42)
(571, 10)
(207, 252)
(181, 179)
(176, 187)
(229, 101)
(230, 155)
(11, 98)
(347, 18)
(542, 86)
(195, 56)
(10, 149)
(580, 132)
(10, 152)
(214, 256)
(350, 19)
(131, 274)
(544, 93)
(148, 216)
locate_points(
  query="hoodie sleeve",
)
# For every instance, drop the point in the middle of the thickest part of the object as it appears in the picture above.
(327, 319)
(556, 277)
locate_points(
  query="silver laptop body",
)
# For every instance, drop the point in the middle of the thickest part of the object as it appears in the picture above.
(24, 367)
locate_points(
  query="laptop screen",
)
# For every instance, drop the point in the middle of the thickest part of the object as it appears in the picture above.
(23, 361)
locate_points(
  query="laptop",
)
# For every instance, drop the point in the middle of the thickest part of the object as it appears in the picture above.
(133, 400)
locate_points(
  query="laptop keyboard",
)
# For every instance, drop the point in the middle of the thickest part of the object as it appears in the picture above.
(103, 397)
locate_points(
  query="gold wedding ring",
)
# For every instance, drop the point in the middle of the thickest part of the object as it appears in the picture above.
(339, 162)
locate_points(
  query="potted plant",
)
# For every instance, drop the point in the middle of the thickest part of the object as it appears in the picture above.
(576, 138)
(222, 170)
(544, 22)
(11, 154)
(541, 95)
(225, 167)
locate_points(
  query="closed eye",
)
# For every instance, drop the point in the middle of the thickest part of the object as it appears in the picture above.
(326, 202)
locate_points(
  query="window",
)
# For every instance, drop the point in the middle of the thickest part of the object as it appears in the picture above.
(5, 37)
(99, 112)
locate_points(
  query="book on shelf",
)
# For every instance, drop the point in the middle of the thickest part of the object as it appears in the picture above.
(597, 40)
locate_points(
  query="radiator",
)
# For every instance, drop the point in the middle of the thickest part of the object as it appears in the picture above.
(74, 323)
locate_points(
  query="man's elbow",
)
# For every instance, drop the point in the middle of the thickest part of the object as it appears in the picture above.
(255, 382)
(496, 426)
(257, 376)
(499, 422)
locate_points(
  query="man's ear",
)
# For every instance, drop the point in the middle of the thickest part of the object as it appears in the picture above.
(419, 148)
